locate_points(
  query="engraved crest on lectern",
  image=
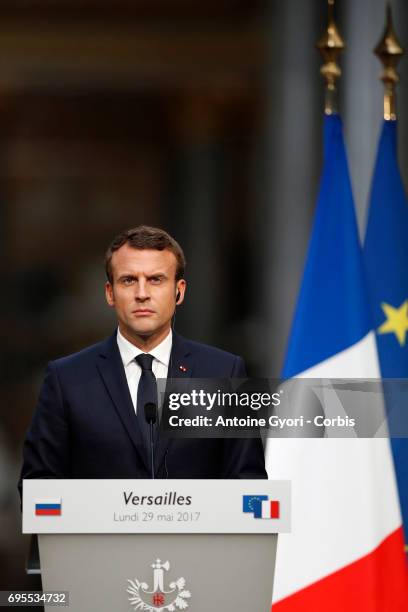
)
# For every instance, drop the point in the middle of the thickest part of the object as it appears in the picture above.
(158, 598)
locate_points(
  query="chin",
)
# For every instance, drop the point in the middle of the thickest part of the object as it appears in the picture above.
(146, 332)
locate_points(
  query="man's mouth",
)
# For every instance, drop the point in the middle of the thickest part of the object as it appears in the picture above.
(141, 312)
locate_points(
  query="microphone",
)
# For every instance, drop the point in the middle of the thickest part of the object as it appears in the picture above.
(150, 411)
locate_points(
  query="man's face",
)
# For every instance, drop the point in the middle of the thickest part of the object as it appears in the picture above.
(144, 292)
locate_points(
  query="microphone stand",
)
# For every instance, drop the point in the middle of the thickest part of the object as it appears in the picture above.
(150, 411)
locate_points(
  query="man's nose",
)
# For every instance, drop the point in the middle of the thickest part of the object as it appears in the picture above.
(142, 293)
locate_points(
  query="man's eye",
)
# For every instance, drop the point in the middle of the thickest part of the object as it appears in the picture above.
(128, 280)
(155, 280)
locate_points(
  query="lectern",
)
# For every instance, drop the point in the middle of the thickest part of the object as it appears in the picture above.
(158, 545)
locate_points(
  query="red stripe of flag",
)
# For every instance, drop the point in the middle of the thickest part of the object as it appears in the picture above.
(48, 511)
(377, 582)
(275, 509)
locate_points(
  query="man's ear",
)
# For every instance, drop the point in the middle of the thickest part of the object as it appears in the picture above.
(110, 298)
(180, 291)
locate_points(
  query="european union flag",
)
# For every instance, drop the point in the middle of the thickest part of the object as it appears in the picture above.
(386, 260)
(251, 503)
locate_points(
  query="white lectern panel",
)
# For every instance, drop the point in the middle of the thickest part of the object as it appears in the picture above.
(156, 506)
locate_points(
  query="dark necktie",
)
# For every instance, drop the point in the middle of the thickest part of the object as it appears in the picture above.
(146, 393)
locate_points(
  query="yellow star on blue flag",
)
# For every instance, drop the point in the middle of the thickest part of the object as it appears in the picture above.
(396, 321)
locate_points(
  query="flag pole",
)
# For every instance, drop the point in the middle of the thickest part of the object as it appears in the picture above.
(389, 51)
(330, 45)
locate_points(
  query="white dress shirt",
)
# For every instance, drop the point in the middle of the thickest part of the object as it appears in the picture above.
(133, 371)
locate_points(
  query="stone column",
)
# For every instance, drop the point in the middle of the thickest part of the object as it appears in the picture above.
(194, 211)
(290, 162)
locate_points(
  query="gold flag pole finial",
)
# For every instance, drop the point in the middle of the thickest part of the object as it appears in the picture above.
(389, 52)
(330, 46)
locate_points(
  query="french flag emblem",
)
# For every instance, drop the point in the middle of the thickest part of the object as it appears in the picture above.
(48, 507)
(268, 509)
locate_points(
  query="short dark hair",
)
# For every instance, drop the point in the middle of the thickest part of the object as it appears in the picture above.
(146, 237)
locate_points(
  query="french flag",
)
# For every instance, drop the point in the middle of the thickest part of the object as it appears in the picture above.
(266, 508)
(48, 507)
(346, 549)
(270, 509)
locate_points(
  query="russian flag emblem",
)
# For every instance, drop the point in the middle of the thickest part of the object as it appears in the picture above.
(48, 507)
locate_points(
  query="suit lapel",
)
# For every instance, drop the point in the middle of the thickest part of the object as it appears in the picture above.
(181, 360)
(111, 369)
(181, 365)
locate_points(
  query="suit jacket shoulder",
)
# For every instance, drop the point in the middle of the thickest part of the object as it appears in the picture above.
(86, 354)
(203, 361)
(199, 347)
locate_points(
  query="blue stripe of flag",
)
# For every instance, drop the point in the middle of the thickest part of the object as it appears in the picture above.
(47, 506)
(332, 311)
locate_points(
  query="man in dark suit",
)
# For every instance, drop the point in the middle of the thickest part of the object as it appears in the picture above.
(90, 422)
